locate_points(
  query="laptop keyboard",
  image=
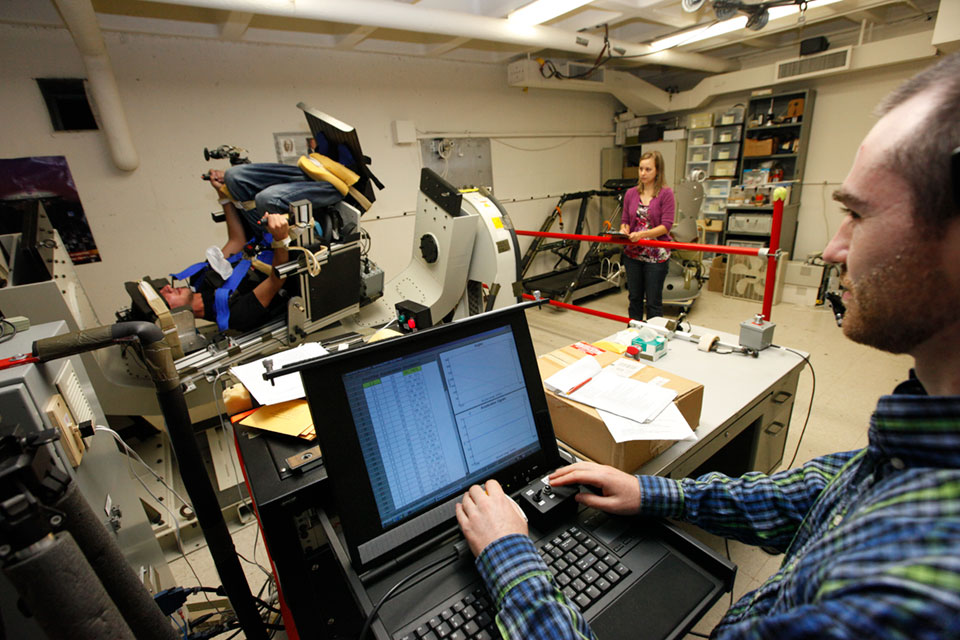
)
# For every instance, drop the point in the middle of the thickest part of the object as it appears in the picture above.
(583, 568)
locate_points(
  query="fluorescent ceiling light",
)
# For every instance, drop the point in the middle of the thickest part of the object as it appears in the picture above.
(540, 11)
(700, 33)
(789, 10)
(733, 24)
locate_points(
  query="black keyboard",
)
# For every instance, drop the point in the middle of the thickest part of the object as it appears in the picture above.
(584, 569)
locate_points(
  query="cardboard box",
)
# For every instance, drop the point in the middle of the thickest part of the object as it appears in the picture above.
(804, 275)
(753, 147)
(799, 294)
(581, 428)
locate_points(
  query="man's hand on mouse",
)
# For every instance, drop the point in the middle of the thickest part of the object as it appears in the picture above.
(620, 491)
(485, 516)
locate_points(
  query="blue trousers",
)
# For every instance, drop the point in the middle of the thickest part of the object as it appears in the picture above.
(273, 187)
(645, 280)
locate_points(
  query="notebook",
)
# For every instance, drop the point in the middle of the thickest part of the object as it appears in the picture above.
(408, 424)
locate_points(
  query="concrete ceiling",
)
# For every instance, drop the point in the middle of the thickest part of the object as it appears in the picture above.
(476, 30)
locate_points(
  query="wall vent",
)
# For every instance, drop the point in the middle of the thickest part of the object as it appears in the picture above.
(815, 65)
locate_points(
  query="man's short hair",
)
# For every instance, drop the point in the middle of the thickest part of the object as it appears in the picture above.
(925, 157)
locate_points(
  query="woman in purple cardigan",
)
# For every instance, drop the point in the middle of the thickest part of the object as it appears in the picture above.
(647, 215)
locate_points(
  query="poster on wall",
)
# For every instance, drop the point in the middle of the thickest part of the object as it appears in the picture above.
(291, 145)
(47, 179)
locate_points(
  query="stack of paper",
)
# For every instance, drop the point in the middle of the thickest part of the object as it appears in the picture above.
(279, 389)
(632, 410)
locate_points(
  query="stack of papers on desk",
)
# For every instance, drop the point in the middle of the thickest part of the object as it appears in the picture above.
(281, 389)
(631, 410)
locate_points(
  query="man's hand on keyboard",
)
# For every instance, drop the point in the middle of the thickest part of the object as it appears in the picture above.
(485, 516)
(620, 492)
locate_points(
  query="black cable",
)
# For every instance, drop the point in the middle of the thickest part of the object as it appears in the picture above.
(813, 391)
(553, 72)
(3, 331)
(435, 564)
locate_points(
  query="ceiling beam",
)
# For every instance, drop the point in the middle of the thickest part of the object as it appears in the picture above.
(397, 15)
(236, 24)
(446, 47)
(355, 37)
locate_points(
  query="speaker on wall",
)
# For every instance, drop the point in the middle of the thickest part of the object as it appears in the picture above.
(813, 45)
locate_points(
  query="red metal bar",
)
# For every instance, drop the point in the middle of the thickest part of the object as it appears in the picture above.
(592, 312)
(682, 246)
(772, 257)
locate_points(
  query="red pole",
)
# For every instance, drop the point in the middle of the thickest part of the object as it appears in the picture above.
(685, 246)
(778, 198)
(592, 312)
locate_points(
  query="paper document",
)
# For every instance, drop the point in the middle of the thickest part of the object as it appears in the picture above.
(669, 425)
(572, 376)
(286, 387)
(624, 396)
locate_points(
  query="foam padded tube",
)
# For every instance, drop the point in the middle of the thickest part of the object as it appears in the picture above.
(132, 599)
(707, 341)
(63, 593)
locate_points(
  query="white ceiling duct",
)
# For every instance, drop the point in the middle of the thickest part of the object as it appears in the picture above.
(82, 24)
(397, 15)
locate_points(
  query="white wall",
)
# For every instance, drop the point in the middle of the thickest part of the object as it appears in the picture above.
(183, 94)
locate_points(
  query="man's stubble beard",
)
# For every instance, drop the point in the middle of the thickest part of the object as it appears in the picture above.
(897, 305)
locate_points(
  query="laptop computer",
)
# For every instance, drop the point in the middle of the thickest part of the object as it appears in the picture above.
(407, 425)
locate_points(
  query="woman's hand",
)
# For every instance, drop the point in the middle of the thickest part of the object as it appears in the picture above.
(621, 491)
(638, 235)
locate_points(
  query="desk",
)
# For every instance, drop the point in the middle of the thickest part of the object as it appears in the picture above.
(744, 423)
(747, 404)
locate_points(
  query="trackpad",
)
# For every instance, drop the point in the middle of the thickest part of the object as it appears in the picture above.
(656, 605)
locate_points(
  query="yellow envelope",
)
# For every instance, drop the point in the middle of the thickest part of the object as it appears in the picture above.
(291, 418)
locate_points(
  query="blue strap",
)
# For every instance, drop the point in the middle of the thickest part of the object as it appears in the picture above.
(222, 295)
(194, 269)
(189, 271)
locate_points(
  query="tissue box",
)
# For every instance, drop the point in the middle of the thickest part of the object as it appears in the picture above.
(581, 428)
(651, 350)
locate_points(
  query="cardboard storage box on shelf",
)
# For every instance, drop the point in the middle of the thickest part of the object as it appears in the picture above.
(581, 427)
(754, 147)
(718, 273)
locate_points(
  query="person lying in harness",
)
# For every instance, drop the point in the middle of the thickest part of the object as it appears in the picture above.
(256, 199)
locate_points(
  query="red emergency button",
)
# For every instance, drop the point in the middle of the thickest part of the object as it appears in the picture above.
(411, 323)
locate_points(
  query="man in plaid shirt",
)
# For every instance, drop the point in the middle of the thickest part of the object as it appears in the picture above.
(871, 538)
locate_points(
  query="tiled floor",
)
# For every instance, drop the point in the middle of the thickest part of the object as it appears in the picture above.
(850, 377)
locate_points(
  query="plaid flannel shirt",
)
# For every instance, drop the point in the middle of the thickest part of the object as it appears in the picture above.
(871, 538)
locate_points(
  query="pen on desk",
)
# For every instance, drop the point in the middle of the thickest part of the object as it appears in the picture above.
(580, 385)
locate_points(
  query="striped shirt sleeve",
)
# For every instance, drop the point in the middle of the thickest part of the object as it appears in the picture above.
(756, 509)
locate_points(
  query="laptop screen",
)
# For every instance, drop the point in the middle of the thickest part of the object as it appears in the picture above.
(406, 426)
(440, 419)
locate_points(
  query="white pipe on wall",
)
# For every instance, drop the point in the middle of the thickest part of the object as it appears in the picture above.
(82, 24)
(399, 15)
